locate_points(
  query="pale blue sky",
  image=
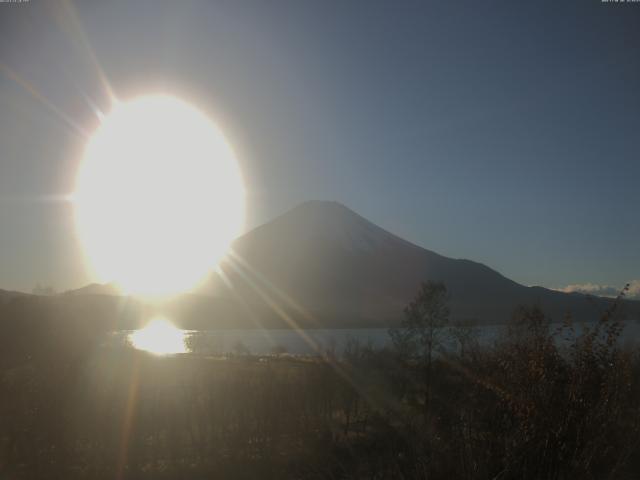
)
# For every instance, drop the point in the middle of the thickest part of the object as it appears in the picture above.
(504, 132)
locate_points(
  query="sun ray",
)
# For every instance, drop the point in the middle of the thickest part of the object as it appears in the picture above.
(68, 20)
(247, 307)
(333, 362)
(127, 418)
(265, 281)
(35, 93)
(277, 309)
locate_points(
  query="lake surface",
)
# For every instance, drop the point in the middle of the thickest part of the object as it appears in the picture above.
(319, 341)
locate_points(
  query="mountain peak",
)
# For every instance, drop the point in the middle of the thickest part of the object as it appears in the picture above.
(330, 223)
(321, 204)
(326, 206)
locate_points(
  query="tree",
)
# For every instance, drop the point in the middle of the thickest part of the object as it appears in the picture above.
(422, 329)
(464, 334)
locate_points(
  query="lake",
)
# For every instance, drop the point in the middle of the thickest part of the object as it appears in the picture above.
(315, 341)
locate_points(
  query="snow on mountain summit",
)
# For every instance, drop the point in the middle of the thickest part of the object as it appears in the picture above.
(332, 222)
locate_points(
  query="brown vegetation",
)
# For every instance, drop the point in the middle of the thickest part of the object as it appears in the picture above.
(542, 403)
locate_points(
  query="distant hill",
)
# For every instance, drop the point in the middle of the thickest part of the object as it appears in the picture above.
(95, 289)
(7, 295)
(323, 265)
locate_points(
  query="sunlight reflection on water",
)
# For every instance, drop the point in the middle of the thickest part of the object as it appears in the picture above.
(160, 337)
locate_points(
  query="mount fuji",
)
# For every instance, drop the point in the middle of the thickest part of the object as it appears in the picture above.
(325, 260)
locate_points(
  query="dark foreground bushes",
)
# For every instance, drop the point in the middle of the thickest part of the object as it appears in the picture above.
(544, 402)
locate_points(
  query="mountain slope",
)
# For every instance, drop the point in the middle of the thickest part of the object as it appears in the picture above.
(345, 270)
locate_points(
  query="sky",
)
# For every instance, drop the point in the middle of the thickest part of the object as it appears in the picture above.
(503, 132)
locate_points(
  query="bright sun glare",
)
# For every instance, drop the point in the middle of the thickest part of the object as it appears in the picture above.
(159, 196)
(159, 337)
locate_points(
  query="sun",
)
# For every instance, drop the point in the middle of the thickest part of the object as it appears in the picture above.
(158, 196)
